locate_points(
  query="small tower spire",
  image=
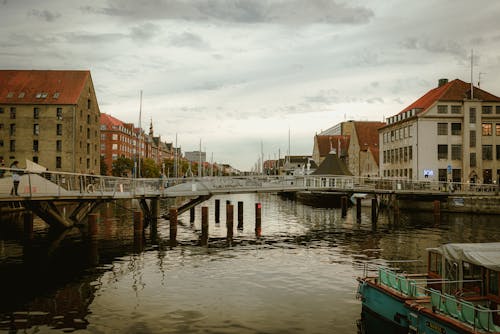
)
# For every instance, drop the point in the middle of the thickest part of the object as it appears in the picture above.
(151, 127)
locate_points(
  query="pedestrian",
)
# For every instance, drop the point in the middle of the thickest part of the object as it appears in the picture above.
(16, 177)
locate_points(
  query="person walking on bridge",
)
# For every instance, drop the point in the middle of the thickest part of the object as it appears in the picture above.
(16, 177)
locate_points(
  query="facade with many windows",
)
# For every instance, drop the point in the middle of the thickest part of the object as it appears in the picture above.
(50, 118)
(452, 133)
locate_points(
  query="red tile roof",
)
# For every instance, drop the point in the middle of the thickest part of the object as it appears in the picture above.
(456, 90)
(367, 133)
(41, 86)
(327, 143)
(110, 121)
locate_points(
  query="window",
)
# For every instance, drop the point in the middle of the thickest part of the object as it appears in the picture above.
(410, 152)
(442, 175)
(442, 109)
(487, 110)
(456, 152)
(1, 110)
(487, 152)
(88, 104)
(435, 263)
(88, 133)
(487, 131)
(12, 112)
(493, 282)
(58, 162)
(498, 152)
(472, 135)
(88, 119)
(114, 136)
(472, 159)
(35, 145)
(497, 110)
(36, 129)
(1, 143)
(59, 129)
(114, 147)
(442, 151)
(59, 114)
(456, 129)
(1, 126)
(59, 145)
(12, 130)
(36, 113)
(456, 109)
(406, 153)
(472, 115)
(456, 175)
(497, 129)
(442, 129)
(487, 176)
(12, 147)
(88, 148)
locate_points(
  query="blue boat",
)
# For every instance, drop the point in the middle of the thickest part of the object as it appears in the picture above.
(458, 294)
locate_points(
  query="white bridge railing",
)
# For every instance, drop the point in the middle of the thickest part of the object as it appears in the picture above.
(67, 185)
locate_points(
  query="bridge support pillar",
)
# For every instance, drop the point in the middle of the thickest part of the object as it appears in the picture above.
(92, 219)
(173, 226)
(437, 211)
(358, 208)
(217, 211)
(258, 221)
(191, 215)
(395, 209)
(204, 226)
(138, 222)
(343, 205)
(240, 215)
(229, 222)
(28, 225)
(374, 210)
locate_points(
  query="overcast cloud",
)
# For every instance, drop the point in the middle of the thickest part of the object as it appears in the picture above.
(234, 73)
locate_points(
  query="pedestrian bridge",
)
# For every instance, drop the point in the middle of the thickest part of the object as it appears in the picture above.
(40, 191)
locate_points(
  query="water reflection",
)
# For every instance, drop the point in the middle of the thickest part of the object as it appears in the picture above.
(299, 276)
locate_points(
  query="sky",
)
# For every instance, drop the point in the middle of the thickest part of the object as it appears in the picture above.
(249, 76)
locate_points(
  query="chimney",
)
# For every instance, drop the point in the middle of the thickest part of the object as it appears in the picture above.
(442, 82)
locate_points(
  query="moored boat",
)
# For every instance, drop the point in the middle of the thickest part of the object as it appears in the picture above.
(458, 294)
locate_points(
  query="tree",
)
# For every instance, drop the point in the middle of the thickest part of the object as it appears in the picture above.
(122, 166)
(149, 168)
(104, 167)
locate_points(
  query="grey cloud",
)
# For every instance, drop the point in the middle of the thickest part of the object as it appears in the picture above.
(187, 39)
(375, 100)
(324, 97)
(43, 14)
(435, 46)
(238, 11)
(144, 32)
(93, 38)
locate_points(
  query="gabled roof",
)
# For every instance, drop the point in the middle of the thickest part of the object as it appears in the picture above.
(332, 165)
(110, 121)
(41, 86)
(367, 133)
(327, 143)
(456, 90)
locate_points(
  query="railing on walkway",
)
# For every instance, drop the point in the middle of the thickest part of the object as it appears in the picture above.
(61, 184)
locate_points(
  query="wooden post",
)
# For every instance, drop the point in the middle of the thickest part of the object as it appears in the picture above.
(217, 211)
(437, 211)
(258, 221)
(155, 210)
(138, 222)
(240, 215)
(173, 225)
(191, 214)
(229, 221)
(343, 205)
(204, 225)
(374, 210)
(358, 208)
(396, 210)
(28, 225)
(92, 219)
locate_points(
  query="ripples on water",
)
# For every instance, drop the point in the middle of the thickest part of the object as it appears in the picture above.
(298, 278)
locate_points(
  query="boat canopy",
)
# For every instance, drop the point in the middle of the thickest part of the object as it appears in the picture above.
(481, 254)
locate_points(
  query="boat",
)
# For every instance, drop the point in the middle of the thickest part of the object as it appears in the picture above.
(459, 293)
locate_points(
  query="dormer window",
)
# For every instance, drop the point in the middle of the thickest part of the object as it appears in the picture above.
(10, 95)
(56, 95)
(21, 95)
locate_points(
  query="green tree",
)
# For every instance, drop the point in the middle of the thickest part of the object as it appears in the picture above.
(122, 166)
(104, 167)
(149, 168)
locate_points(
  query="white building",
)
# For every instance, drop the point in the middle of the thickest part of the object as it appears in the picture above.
(450, 133)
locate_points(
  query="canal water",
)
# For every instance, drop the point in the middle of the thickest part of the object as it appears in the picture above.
(298, 277)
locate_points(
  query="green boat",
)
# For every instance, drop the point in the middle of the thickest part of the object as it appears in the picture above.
(458, 294)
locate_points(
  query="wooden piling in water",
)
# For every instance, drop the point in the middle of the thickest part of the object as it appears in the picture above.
(374, 210)
(155, 211)
(343, 205)
(172, 214)
(395, 208)
(191, 214)
(217, 210)
(358, 208)
(204, 225)
(28, 225)
(258, 220)
(229, 221)
(240, 215)
(437, 211)
(92, 220)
